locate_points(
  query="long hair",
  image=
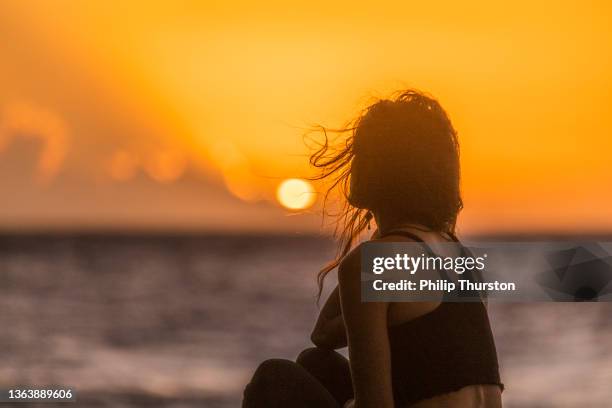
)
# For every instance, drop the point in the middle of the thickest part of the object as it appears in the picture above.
(400, 157)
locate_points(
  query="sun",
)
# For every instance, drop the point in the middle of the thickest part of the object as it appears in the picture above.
(295, 194)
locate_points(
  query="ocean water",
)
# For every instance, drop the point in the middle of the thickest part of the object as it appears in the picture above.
(182, 321)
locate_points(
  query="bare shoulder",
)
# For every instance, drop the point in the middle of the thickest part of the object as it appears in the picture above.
(350, 266)
(349, 270)
(355, 311)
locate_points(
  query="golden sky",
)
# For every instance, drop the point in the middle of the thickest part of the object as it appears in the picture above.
(190, 114)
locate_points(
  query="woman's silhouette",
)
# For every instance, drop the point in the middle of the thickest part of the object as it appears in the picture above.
(400, 166)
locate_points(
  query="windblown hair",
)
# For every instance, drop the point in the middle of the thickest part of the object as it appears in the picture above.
(399, 157)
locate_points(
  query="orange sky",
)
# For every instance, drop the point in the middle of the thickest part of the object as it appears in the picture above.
(185, 114)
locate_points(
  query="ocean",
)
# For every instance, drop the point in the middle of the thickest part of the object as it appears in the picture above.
(183, 321)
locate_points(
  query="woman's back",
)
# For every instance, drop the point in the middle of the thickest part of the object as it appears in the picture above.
(442, 353)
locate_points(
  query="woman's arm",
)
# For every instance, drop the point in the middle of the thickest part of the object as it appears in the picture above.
(368, 341)
(329, 331)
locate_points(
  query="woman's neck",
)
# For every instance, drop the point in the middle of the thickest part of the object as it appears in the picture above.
(386, 224)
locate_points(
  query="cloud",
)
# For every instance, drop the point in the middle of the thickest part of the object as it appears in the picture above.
(27, 120)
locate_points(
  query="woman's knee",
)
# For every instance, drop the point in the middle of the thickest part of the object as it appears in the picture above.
(272, 369)
(330, 369)
(279, 383)
(316, 356)
(266, 382)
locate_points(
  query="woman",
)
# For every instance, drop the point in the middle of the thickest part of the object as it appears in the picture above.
(399, 166)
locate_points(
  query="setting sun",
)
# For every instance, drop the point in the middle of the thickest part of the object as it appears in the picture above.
(295, 194)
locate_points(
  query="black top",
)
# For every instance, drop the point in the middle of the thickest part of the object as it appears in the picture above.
(442, 351)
